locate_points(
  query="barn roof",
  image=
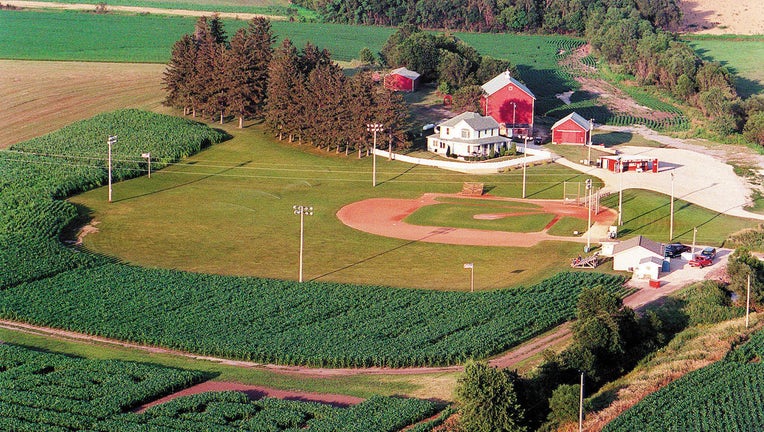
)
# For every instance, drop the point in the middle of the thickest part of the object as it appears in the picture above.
(639, 241)
(402, 71)
(502, 80)
(584, 123)
(473, 120)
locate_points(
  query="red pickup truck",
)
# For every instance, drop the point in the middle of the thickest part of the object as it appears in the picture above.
(700, 261)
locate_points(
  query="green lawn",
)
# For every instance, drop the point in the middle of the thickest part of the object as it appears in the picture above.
(648, 213)
(743, 56)
(463, 216)
(566, 226)
(228, 210)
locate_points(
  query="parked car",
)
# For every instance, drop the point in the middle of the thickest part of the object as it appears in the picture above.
(700, 261)
(709, 253)
(673, 250)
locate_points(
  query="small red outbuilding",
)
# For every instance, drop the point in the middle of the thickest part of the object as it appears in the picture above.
(572, 129)
(402, 79)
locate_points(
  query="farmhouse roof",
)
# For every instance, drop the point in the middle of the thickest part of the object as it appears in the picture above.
(473, 120)
(502, 80)
(639, 241)
(402, 71)
(584, 123)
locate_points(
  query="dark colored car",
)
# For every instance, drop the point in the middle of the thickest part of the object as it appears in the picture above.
(700, 261)
(709, 253)
(673, 250)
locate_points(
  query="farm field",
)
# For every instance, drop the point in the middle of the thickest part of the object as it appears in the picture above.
(743, 56)
(43, 96)
(60, 393)
(275, 8)
(435, 386)
(723, 396)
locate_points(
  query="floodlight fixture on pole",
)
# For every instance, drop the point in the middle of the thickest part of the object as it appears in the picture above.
(302, 211)
(620, 191)
(112, 140)
(525, 155)
(147, 156)
(374, 128)
(671, 222)
(471, 266)
(581, 405)
(589, 223)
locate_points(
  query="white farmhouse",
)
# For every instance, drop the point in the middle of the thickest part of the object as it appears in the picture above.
(640, 255)
(468, 134)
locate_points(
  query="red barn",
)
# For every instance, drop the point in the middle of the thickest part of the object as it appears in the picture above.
(510, 103)
(402, 79)
(572, 129)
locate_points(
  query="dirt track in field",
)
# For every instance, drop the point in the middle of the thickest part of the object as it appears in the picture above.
(136, 9)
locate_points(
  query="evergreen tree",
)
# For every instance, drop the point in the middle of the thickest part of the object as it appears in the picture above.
(247, 69)
(324, 104)
(361, 97)
(284, 81)
(180, 73)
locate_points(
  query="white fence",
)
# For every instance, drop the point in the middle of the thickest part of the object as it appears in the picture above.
(534, 155)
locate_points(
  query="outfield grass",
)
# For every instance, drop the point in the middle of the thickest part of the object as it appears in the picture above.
(743, 56)
(648, 213)
(566, 226)
(228, 210)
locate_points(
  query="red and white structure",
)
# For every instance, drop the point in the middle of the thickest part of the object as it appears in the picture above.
(402, 79)
(510, 103)
(572, 129)
(625, 163)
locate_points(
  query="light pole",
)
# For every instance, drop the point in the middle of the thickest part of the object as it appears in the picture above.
(620, 192)
(694, 234)
(525, 155)
(112, 140)
(374, 127)
(589, 223)
(302, 211)
(147, 156)
(748, 300)
(671, 223)
(471, 266)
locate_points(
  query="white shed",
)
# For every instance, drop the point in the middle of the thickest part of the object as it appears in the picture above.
(628, 254)
(648, 268)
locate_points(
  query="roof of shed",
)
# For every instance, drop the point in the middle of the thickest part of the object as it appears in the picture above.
(650, 245)
(402, 71)
(584, 123)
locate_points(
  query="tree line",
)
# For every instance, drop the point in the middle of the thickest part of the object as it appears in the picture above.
(299, 94)
(548, 16)
(631, 45)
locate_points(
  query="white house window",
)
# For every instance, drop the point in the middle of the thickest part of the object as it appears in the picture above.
(465, 133)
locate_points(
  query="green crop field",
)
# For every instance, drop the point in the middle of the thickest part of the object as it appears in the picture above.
(274, 8)
(54, 392)
(743, 56)
(723, 396)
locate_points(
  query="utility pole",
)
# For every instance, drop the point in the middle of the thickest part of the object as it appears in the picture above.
(112, 140)
(589, 223)
(671, 224)
(374, 128)
(581, 406)
(694, 234)
(748, 301)
(525, 155)
(620, 191)
(591, 128)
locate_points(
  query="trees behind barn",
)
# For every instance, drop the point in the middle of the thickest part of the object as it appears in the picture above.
(301, 95)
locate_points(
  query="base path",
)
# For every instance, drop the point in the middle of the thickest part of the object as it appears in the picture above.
(384, 217)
